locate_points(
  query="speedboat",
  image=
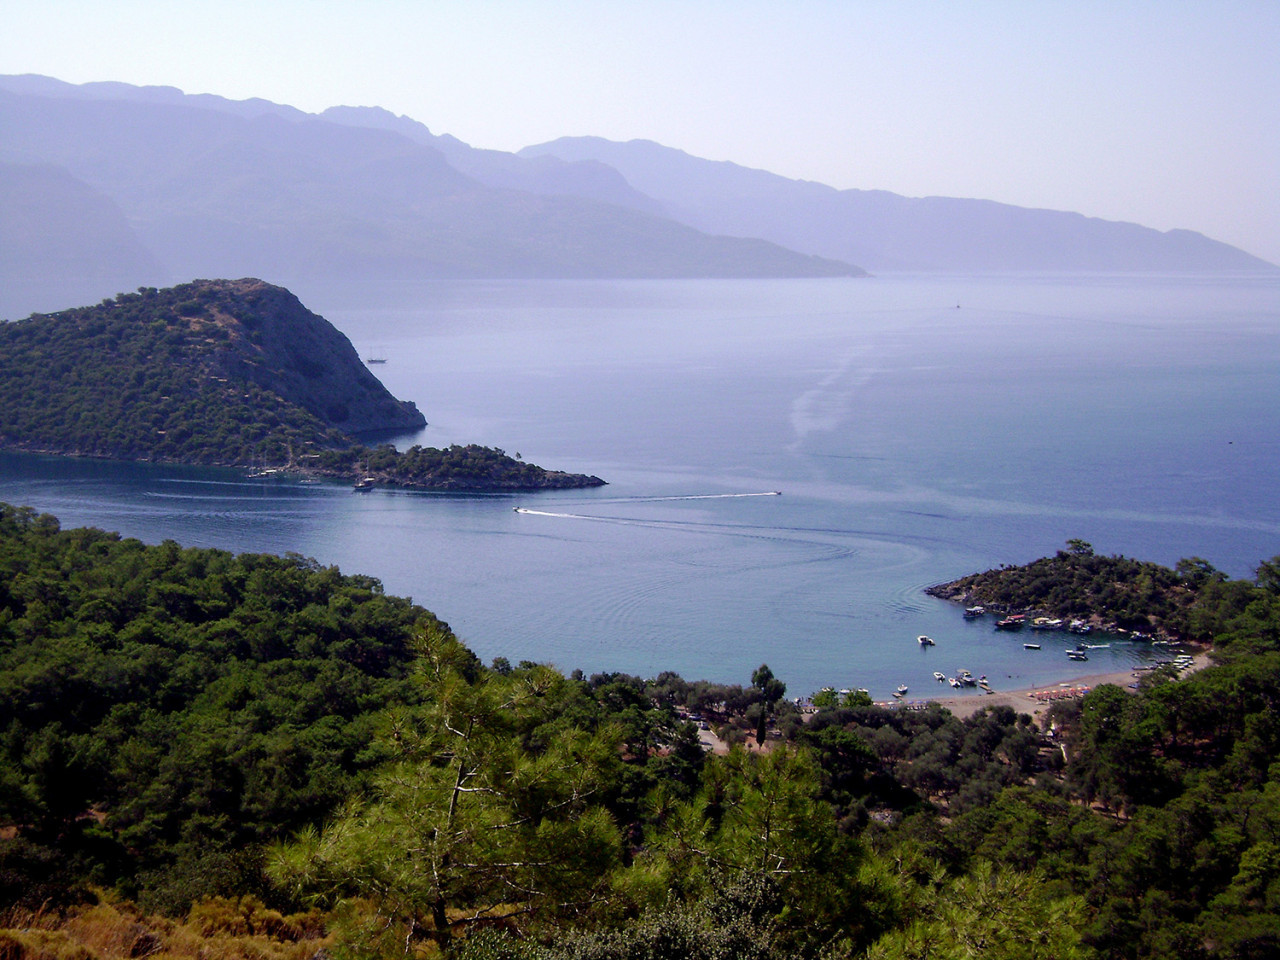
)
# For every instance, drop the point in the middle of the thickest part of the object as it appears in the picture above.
(925, 641)
(939, 675)
(1031, 646)
(902, 688)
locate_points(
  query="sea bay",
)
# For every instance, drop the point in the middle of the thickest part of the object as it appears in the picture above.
(918, 428)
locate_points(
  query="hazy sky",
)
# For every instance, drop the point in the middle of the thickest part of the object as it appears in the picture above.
(1166, 113)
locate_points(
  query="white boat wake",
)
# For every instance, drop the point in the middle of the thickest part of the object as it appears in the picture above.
(564, 516)
(699, 496)
(707, 496)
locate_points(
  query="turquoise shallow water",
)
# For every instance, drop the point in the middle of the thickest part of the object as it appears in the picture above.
(918, 428)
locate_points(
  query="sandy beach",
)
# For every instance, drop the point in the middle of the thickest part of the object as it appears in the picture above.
(1036, 701)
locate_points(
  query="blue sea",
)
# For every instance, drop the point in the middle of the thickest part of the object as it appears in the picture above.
(917, 429)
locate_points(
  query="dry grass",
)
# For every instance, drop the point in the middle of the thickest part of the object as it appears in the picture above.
(218, 929)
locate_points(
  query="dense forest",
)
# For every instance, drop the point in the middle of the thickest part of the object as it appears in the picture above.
(210, 755)
(221, 372)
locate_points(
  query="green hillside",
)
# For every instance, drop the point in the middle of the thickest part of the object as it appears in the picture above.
(212, 756)
(220, 372)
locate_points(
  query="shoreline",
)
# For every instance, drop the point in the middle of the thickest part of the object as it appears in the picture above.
(550, 480)
(1036, 700)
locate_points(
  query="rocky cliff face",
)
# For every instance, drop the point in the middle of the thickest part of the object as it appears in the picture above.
(280, 345)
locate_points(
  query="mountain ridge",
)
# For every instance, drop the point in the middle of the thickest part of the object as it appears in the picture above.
(885, 231)
(357, 197)
(227, 188)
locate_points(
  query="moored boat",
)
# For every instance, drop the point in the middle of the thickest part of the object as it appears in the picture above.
(972, 612)
(925, 641)
(1031, 646)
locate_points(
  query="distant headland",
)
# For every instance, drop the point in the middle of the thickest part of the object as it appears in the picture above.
(233, 373)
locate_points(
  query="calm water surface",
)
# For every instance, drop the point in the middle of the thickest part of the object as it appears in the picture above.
(918, 428)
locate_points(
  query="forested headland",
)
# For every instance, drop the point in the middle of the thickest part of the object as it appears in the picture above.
(230, 373)
(1108, 591)
(211, 755)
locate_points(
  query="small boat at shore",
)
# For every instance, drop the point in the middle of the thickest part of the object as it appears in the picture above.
(939, 676)
(971, 613)
(1077, 655)
(1046, 623)
(902, 688)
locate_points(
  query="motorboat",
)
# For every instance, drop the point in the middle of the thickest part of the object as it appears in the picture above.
(925, 641)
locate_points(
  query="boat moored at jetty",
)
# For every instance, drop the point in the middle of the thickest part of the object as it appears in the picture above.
(1046, 623)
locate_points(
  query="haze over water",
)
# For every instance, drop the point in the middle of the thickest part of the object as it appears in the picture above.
(918, 428)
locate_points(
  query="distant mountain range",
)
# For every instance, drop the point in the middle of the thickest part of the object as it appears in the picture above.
(107, 186)
(883, 231)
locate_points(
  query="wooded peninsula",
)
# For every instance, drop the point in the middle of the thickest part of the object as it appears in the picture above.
(225, 373)
(207, 755)
(1114, 593)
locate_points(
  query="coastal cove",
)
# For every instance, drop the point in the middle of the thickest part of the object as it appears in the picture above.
(920, 429)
